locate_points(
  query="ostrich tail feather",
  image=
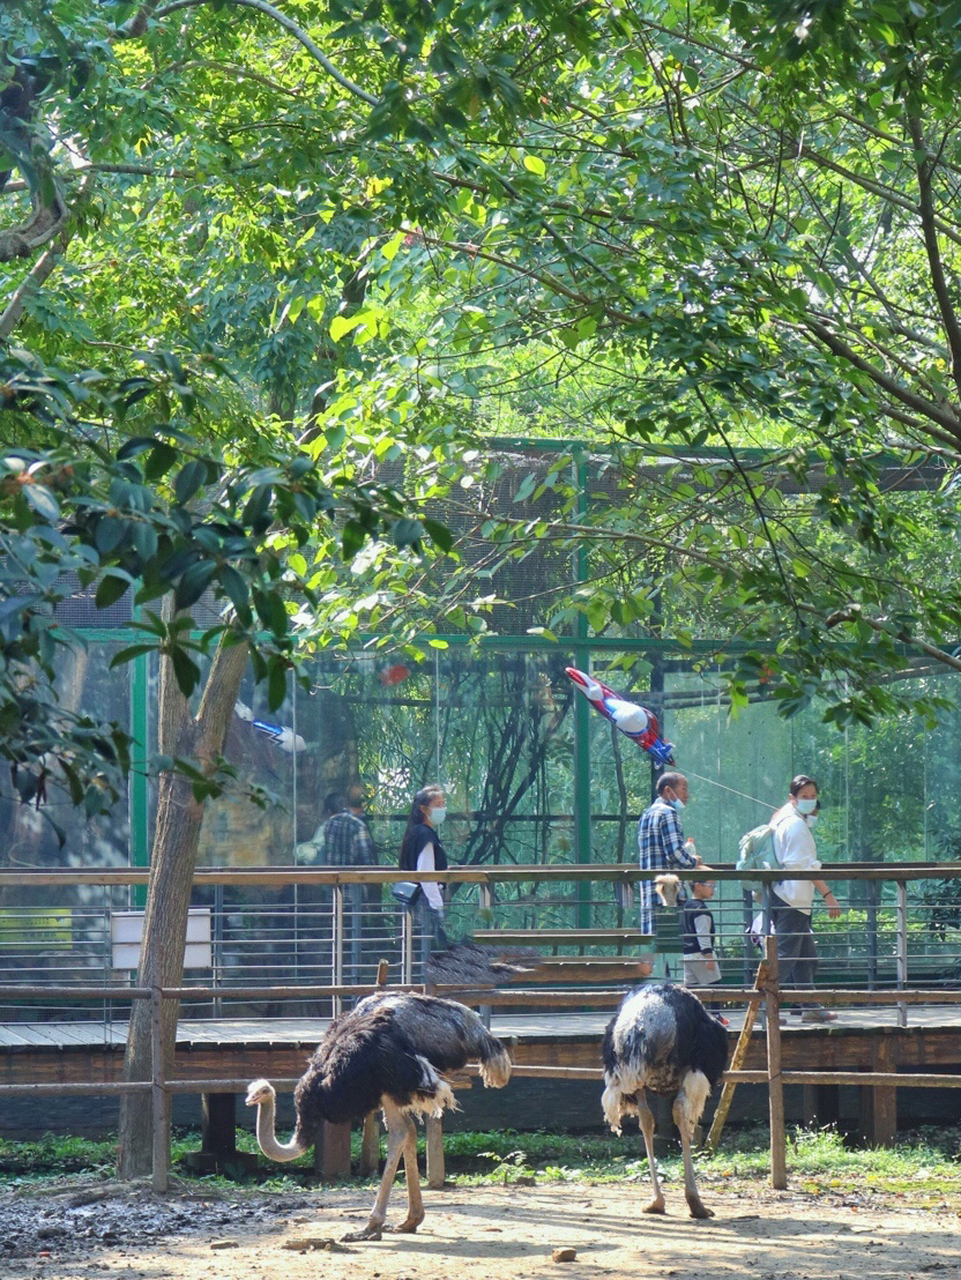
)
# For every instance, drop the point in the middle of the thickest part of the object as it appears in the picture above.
(496, 1069)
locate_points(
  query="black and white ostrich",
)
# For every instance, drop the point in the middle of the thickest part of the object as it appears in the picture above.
(662, 1039)
(390, 1051)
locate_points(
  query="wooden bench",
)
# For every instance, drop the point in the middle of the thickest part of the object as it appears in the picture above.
(562, 937)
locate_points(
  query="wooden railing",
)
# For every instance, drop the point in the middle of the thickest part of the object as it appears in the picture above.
(160, 1088)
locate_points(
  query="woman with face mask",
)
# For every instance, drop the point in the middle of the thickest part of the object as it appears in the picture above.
(421, 850)
(791, 900)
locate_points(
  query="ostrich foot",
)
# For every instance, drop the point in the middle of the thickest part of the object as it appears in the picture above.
(370, 1232)
(698, 1209)
(656, 1205)
(407, 1227)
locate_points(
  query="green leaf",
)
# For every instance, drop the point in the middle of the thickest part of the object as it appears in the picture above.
(439, 534)
(534, 164)
(408, 533)
(189, 480)
(276, 685)
(132, 651)
(112, 586)
(186, 671)
(340, 326)
(234, 584)
(194, 582)
(162, 457)
(42, 500)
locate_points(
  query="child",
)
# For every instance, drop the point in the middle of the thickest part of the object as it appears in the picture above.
(701, 968)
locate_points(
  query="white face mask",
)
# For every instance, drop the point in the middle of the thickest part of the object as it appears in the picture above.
(437, 815)
(807, 806)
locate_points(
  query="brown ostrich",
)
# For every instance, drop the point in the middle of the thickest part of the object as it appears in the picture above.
(391, 1051)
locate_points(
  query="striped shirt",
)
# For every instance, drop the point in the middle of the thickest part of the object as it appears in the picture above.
(660, 843)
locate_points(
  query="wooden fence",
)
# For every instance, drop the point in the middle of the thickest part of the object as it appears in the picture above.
(160, 1088)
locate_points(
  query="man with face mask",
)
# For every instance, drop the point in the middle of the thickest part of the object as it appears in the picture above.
(660, 840)
(791, 900)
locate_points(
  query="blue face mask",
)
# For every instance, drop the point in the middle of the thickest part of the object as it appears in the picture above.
(437, 815)
(807, 806)
(678, 804)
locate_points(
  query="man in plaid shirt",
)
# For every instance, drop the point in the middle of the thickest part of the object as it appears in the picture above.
(660, 840)
(347, 843)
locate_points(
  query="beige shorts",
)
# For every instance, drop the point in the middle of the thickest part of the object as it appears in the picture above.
(700, 973)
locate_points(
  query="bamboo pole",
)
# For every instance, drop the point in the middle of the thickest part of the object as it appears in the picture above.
(737, 1061)
(775, 1083)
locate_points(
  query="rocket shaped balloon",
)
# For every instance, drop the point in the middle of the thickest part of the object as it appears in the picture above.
(280, 734)
(636, 722)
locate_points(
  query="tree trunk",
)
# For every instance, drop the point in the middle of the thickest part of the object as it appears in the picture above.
(172, 864)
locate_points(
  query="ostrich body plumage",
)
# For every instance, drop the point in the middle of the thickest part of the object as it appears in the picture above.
(393, 1050)
(662, 1039)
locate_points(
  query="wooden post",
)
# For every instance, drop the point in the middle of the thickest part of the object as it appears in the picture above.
(435, 1152)
(902, 944)
(370, 1144)
(878, 1103)
(737, 1061)
(370, 1140)
(774, 1083)
(332, 1151)
(159, 1098)
(218, 1132)
(337, 947)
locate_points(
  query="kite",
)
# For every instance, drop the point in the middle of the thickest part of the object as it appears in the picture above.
(633, 720)
(279, 734)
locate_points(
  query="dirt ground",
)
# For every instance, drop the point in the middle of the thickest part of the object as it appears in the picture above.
(479, 1233)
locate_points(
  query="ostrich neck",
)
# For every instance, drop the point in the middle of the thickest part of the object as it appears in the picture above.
(267, 1137)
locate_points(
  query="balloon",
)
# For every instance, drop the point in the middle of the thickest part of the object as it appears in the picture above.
(285, 738)
(633, 720)
(394, 675)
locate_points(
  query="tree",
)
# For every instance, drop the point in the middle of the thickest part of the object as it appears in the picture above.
(695, 230)
(744, 227)
(127, 132)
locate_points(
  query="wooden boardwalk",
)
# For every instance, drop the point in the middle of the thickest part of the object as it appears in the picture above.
(31, 1050)
(228, 1052)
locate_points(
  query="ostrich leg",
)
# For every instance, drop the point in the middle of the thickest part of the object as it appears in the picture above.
(646, 1120)
(688, 1106)
(415, 1202)
(397, 1139)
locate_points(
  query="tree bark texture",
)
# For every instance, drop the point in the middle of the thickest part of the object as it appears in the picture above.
(173, 861)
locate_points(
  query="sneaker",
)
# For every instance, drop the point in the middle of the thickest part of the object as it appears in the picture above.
(818, 1014)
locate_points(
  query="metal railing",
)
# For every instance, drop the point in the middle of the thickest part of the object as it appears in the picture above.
(315, 927)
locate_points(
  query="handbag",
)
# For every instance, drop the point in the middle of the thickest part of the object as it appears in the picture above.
(405, 891)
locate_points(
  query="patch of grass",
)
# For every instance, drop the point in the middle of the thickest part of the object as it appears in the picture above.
(924, 1162)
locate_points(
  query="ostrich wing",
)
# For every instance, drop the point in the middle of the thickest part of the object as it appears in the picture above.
(446, 1033)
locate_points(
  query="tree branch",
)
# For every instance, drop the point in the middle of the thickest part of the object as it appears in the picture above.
(928, 225)
(297, 32)
(949, 421)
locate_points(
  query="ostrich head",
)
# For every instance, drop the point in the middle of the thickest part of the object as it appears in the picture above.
(667, 888)
(260, 1092)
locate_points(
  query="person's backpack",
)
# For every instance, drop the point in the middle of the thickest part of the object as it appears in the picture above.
(755, 852)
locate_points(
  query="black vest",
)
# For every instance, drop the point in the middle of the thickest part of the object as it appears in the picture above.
(414, 841)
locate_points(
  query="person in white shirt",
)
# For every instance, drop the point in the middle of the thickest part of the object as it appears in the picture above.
(421, 850)
(791, 900)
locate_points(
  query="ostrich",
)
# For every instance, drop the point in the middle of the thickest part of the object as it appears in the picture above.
(391, 1051)
(663, 1039)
